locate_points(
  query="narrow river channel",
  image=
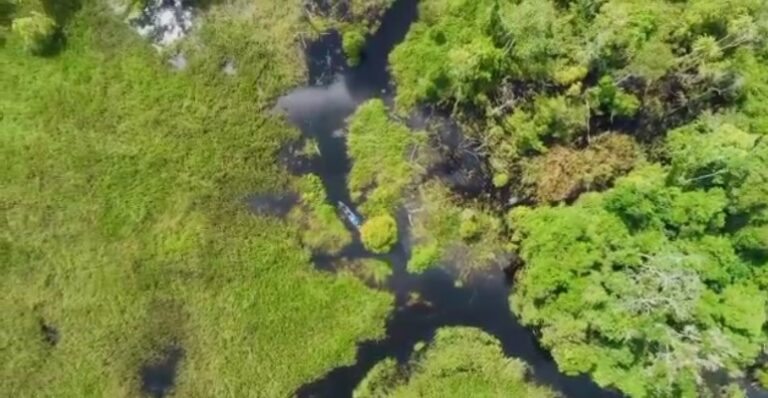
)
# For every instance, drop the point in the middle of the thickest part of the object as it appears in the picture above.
(320, 110)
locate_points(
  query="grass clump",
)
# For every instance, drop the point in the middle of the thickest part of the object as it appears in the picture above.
(353, 42)
(381, 152)
(321, 228)
(379, 234)
(120, 206)
(36, 32)
(460, 362)
(374, 272)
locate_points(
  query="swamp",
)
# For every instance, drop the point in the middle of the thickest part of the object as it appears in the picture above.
(384, 198)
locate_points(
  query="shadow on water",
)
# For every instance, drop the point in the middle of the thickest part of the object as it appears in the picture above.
(157, 378)
(424, 302)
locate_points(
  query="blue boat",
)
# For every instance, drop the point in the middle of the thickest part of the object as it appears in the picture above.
(350, 215)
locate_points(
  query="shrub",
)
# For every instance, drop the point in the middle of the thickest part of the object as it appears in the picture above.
(353, 43)
(500, 180)
(563, 173)
(36, 31)
(379, 234)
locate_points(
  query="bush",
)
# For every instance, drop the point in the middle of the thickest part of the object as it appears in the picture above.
(379, 234)
(762, 377)
(500, 180)
(353, 43)
(36, 31)
(424, 257)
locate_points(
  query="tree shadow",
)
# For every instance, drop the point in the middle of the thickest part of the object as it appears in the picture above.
(7, 9)
(62, 10)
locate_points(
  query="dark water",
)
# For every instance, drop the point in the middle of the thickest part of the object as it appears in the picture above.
(157, 378)
(50, 334)
(320, 111)
(278, 205)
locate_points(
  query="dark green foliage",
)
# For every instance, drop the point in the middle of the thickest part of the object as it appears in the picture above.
(530, 74)
(607, 97)
(460, 362)
(762, 377)
(447, 55)
(551, 119)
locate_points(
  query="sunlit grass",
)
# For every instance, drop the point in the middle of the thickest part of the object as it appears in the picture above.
(122, 223)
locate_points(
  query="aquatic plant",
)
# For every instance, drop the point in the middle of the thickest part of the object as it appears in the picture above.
(384, 161)
(379, 234)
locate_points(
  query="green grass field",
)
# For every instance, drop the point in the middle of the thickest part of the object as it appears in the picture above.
(122, 223)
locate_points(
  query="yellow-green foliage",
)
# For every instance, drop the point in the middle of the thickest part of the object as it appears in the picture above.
(36, 32)
(762, 377)
(441, 227)
(379, 234)
(370, 270)
(322, 229)
(121, 221)
(383, 162)
(460, 362)
(654, 257)
(353, 41)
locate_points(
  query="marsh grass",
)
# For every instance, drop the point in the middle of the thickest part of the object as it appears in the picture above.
(122, 225)
(384, 159)
(445, 229)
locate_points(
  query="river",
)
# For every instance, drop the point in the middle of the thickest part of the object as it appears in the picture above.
(320, 110)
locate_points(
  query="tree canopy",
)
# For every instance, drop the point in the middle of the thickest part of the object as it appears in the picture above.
(652, 286)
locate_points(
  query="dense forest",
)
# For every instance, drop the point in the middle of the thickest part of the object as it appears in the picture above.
(172, 225)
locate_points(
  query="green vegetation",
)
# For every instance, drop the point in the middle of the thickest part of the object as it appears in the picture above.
(36, 32)
(321, 230)
(527, 75)
(353, 18)
(460, 362)
(384, 155)
(379, 234)
(353, 42)
(647, 285)
(122, 223)
(443, 228)
(633, 130)
(660, 279)
(762, 376)
(373, 272)
(563, 173)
